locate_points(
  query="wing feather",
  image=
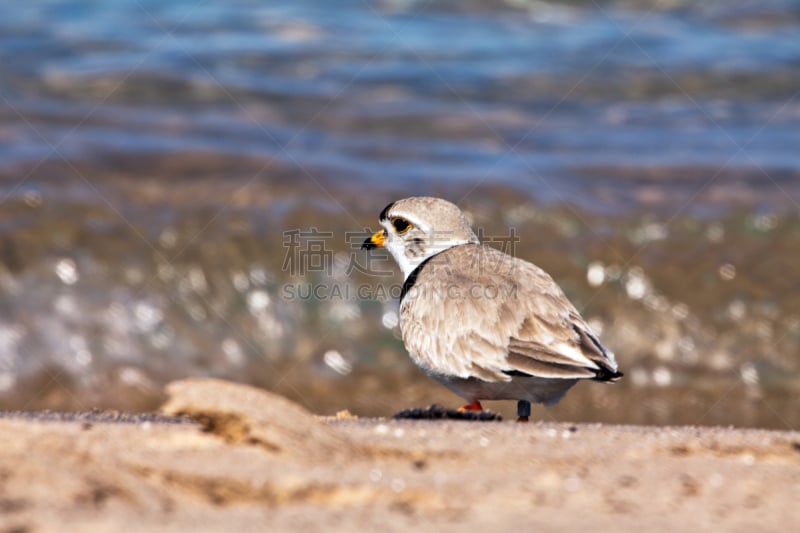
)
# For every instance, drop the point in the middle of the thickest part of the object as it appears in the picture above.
(533, 367)
(476, 312)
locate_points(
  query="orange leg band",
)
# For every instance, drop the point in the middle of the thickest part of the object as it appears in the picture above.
(474, 406)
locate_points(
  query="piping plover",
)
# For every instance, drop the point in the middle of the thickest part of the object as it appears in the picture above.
(485, 324)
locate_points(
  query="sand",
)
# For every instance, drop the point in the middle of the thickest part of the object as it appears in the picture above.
(253, 461)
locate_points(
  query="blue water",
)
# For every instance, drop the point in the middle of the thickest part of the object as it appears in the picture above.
(410, 91)
(152, 153)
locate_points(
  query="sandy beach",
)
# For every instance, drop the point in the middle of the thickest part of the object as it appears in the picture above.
(250, 460)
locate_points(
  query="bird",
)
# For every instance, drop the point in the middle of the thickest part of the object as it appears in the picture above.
(483, 323)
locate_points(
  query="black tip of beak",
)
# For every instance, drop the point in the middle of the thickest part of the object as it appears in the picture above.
(368, 244)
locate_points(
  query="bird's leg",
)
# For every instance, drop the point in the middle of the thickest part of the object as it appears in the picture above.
(523, 410)
(474, 406)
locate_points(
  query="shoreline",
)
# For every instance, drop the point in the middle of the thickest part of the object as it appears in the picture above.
(249, 458)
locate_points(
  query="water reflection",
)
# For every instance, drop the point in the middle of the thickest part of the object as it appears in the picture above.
(644, 152)
(100, 329)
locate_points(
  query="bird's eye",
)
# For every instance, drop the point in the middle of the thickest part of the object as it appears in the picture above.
(401, 225)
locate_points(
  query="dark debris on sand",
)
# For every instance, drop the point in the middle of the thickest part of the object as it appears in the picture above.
(437, 412)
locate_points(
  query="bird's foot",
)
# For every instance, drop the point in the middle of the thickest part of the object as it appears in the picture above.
(523, 410)
(474, 406)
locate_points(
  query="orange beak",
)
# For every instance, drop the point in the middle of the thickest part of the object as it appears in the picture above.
(375, 241)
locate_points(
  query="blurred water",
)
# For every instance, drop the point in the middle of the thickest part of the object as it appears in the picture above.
(152, 154)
